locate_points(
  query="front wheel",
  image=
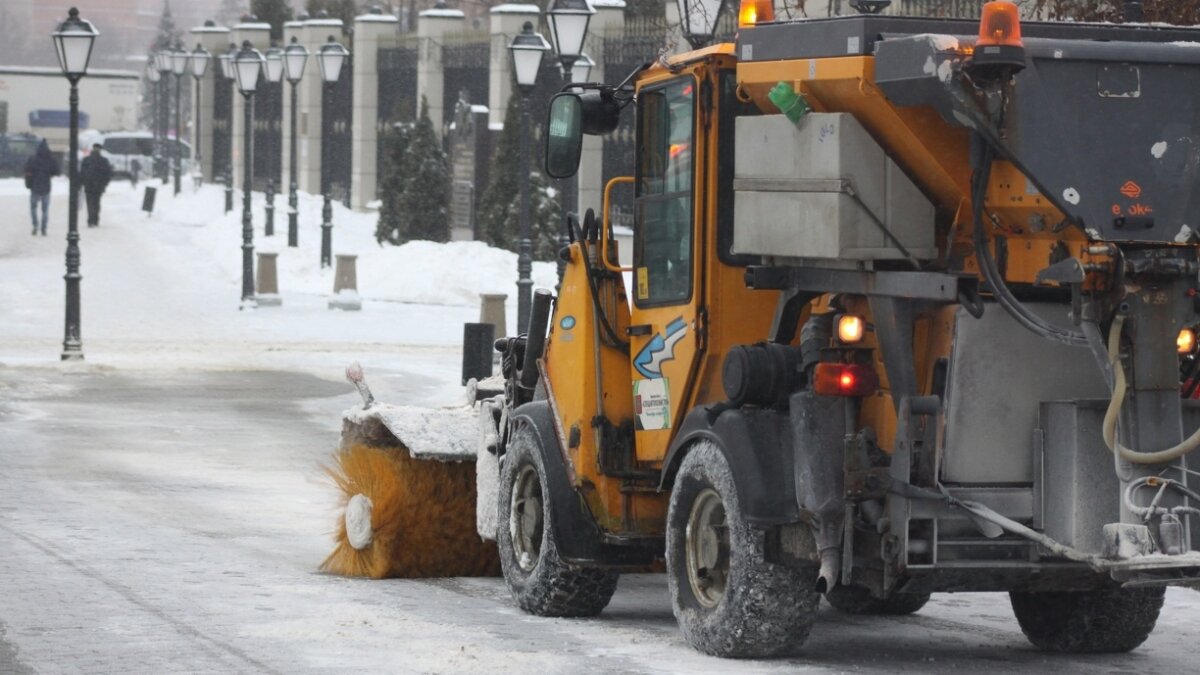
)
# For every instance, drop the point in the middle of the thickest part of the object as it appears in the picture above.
(539, 580)
(728, 599)
(1106, 620)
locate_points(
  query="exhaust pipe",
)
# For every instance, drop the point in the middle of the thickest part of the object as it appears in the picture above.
(535, 338)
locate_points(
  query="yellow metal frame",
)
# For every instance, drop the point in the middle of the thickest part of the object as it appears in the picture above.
(606, 224)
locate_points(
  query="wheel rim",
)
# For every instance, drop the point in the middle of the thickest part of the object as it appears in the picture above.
(707, 556)
(525, 518)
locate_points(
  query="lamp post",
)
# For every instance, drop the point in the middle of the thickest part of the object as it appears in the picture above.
(73, 42)
(568, 21)
(163, 61)
(274, 72)
(698, 19)
(179, 64)
(527, 49)
(247, 66)
(295, 57)
(580, 71)
(330, 58)
(199, 60)
(227, 69)
(153, 77)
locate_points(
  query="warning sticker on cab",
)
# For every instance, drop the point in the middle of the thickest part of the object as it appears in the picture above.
(652, 404)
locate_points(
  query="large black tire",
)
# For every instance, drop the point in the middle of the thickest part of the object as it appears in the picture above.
(1107, 620)
(858, 600)
(729, 601)
(540, 581)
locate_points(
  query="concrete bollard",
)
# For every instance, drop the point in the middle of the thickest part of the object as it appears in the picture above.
(491, 310)
(345, 284)
(267, 281)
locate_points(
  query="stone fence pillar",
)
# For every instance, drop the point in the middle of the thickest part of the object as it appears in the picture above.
(216, 40)
(432, 27)
(370, 30)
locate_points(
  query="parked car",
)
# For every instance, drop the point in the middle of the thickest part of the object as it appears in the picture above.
(14, 150)
(129, 149)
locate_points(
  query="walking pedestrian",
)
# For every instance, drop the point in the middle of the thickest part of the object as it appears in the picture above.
(95, 172)
(39, 169)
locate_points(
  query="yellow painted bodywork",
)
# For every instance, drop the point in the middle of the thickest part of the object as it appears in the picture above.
(587, 378)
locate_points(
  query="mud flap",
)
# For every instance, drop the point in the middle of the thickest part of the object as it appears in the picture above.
(819, 432)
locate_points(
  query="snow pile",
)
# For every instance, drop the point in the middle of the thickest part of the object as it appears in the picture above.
(454, 273)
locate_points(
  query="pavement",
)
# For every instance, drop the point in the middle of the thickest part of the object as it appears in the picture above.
(156, 522)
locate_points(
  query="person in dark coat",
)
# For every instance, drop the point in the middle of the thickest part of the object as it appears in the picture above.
(39, 169)
(95, 172)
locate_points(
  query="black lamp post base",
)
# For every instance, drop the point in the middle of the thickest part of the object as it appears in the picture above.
(72, 356)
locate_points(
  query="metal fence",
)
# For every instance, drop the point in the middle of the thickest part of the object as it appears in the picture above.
(397, 98)
(222, 123)
(465, 64)
(336, 107)
(948, 9)
(268, 134)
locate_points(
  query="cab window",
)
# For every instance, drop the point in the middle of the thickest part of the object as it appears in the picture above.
(663, 244)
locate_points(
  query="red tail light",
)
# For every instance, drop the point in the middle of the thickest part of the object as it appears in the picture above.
(842, 379)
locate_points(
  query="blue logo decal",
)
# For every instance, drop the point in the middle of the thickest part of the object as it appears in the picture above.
(567, 323)
(659, 350)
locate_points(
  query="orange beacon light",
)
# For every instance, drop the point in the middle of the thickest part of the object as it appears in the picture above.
(999, 41)
(752, 12)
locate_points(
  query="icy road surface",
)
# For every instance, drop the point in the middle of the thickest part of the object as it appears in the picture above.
(172, 522)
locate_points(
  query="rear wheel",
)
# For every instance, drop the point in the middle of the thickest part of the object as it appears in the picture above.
(1106, 620)
(858, 600)
(539, 580)
(728, 599)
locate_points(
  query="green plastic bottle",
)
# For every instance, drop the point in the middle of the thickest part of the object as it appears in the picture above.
(789, 102)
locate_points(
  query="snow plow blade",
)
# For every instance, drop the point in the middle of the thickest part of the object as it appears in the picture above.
(406, 478)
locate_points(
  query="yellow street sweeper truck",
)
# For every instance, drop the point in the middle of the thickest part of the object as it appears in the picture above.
(912, 309)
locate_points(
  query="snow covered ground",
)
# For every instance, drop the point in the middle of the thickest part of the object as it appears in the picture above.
(163, 290)
(162, 508)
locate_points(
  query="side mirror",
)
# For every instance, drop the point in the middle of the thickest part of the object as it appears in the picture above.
(564, 135)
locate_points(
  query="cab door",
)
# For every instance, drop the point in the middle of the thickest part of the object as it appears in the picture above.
(665, 334)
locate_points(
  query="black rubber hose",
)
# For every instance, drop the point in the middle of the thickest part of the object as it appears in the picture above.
(991, 273)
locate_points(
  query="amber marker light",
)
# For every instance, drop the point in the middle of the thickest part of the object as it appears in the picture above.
(1185, 343)
(851, 328)
(753, 12)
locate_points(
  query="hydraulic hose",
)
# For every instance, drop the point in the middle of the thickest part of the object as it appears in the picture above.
(1111, 415)
(991, 273)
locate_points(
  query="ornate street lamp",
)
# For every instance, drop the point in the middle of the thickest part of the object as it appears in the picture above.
(527, 49)
(568, 21)
(295, 57)
(228, 71)
(163, 62)
(247, 67)
(179, 66)
(699, 20)
(73, 41)
(581, 70)
(199, 61)
(330, 58)
(274, 73)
